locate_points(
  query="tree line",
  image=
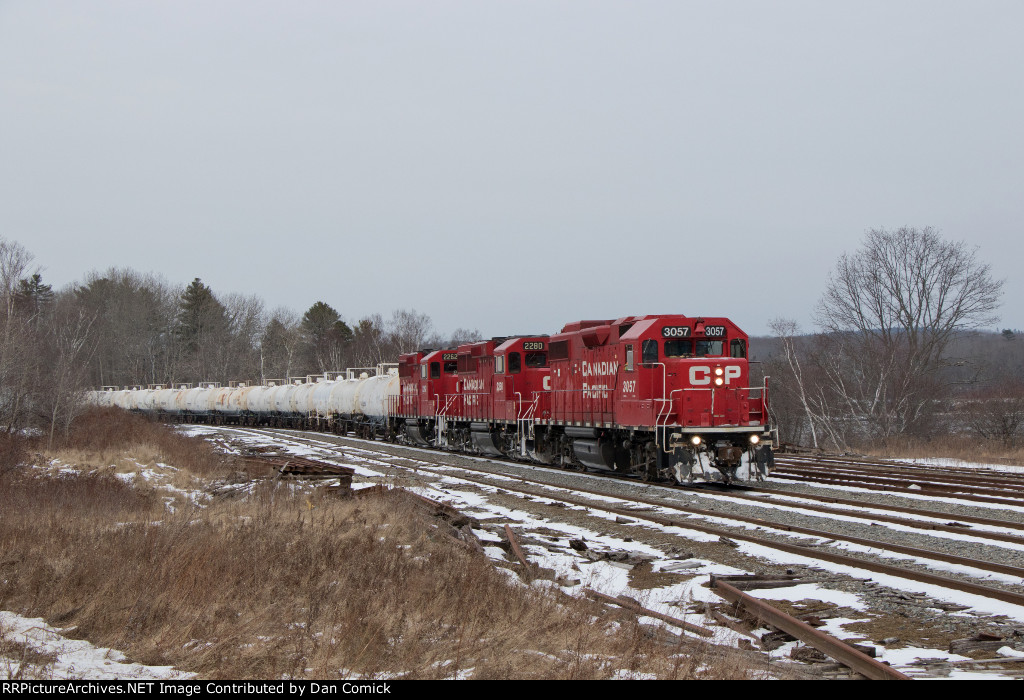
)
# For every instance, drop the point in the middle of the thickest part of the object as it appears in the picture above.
(896, 350)
(121, 327)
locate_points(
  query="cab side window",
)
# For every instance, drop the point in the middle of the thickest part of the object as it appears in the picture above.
(738, 348)
(649, 352)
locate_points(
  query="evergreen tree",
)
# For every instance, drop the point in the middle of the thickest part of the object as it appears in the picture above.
(326, 337)
(33, 297)
(203, 331)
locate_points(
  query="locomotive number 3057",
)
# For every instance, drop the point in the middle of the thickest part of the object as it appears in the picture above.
(675, 332)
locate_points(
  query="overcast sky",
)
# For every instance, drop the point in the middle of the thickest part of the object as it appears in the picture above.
(509, 166)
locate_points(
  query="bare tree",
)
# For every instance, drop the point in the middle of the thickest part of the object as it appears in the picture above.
(18, 358)
(370, 344)
(248, 320)
(795, 383)
(133, 327)
(280, 344)
(887, 317)
(460, 336)
(67, 346)
(408, 330)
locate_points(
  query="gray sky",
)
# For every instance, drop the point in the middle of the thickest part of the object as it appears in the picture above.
(509, 166)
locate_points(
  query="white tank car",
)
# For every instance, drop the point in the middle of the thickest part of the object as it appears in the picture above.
(345, 401)
(145, 400)
(373, 396)
(280, 399)
(124, 399)
(301, 399)
(238, 400)
(321, 398)
(163, 400)
(103, 398)
(258, 400)
(219, 400)
(361, 400)
(188, 400)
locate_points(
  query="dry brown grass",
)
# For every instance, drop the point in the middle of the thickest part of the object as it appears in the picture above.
(968, 449)
(109, 436)
(287, 583)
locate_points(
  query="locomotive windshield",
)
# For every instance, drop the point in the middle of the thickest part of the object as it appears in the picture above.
(689, 348)
(679, 348)
(536, 359)
(709, 347)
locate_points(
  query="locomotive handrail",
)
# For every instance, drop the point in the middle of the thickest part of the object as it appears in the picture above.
(523, 421)
(440, 420)
(519, 410)
(664, 426)
(663, 400)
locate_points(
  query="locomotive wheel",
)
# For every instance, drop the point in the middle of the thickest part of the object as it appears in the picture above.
(648, 472)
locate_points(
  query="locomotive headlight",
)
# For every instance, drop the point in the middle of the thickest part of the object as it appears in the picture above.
(754, 439)
(718, 371)
(718, 381)
(695, 440)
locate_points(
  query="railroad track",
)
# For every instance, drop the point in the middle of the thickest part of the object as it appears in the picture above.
(984, 486)
(538, 488)
(651, 508)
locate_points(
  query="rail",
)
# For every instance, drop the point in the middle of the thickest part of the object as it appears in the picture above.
(826, 643)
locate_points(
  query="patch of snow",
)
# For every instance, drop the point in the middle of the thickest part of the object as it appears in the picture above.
(75, 659)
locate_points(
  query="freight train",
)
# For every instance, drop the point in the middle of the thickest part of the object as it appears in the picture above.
(658, 396)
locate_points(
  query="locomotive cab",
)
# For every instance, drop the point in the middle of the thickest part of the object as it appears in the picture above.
(694, 376)
(428, 379)
(522, 379)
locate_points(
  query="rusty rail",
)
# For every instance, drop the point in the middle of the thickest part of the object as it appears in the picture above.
(516, 549)
(635, 607)
(825, 643)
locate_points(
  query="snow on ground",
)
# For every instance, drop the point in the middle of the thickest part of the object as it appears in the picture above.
(612, 578)
(843, 488)
(949, 462)
(573, 571)
(58, 657)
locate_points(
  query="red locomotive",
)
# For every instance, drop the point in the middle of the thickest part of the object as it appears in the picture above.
(648, 395)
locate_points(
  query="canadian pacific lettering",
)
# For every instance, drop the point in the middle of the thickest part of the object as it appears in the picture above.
(599, 369)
